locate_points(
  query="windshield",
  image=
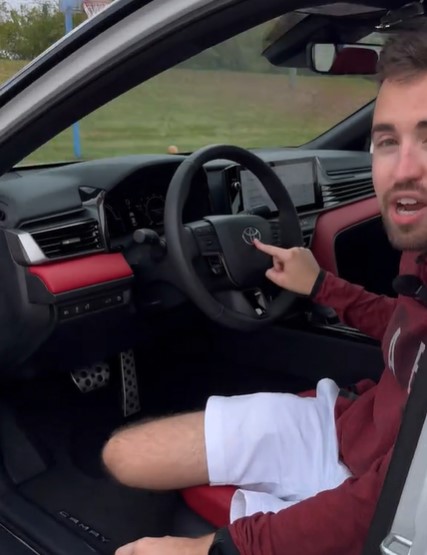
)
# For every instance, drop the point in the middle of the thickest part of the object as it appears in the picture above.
(228, 94)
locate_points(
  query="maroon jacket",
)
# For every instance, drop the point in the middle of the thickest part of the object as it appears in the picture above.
(336, 522)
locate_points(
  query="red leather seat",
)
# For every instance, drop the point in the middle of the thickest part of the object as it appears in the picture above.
(212, 503)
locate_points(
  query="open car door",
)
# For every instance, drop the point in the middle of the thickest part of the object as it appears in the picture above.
(399, 525)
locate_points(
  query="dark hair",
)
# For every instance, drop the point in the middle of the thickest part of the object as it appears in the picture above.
(404, 55)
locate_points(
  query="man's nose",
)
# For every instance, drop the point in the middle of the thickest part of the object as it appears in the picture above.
(411, 164)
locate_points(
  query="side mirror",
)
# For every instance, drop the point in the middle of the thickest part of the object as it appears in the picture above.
(343, 59)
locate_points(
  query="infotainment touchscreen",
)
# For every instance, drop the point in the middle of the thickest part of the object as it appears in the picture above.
(298, 176)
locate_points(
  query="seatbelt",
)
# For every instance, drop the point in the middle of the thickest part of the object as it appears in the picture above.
(399, 523)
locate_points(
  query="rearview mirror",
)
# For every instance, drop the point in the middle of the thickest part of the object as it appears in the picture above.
(343, 59)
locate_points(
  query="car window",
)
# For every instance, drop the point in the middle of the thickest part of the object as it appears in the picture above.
(227, 94)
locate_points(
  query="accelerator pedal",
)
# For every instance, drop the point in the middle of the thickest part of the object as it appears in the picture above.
(129, 384)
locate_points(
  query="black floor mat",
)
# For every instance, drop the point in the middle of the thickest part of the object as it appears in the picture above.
(75, 489)
(105, 514)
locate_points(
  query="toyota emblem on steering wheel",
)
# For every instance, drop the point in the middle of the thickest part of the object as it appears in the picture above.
(250, 234)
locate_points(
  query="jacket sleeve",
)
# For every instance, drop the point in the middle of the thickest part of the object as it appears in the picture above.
(356, 307)
(331, 523)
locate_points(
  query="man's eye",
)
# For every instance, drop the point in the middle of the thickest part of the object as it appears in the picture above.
(383, 143)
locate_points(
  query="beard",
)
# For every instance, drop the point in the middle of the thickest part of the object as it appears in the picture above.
(410, 237)
(406, 237)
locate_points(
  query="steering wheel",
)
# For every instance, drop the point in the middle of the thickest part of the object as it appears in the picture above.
(214, 260)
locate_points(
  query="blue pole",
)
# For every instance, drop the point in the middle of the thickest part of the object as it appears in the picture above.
(76, 127)
(68, 20)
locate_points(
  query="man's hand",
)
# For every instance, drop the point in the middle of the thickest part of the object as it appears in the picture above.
(294, 269)
(168, 546)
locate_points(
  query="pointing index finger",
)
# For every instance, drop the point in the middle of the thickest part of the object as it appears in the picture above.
(268, 249)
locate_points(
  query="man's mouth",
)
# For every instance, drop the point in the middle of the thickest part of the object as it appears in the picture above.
(408, 206)
(406, 210)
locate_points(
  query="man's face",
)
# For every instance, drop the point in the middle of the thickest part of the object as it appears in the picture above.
(399, 136)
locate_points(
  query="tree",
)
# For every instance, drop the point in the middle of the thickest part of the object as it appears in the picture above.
(27, 31)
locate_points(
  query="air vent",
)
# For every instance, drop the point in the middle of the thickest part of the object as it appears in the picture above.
(347, 173)
(346, 192)
(68, 240)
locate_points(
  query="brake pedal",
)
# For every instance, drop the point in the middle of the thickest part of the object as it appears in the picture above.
(92, 377)
(130, 393)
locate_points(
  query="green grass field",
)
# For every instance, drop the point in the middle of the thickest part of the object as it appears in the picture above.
(191, 108)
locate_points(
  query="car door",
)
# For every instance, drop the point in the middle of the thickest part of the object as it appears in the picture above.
(398, 527)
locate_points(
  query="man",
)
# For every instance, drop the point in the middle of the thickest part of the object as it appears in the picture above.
(311, 469)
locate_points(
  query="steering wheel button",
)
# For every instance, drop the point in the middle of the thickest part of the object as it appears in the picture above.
(203, 230)
(216, 265)
(209, 245)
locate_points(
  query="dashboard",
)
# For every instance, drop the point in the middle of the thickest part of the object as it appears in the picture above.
(139, 201)
(70, 266)
(313, 183)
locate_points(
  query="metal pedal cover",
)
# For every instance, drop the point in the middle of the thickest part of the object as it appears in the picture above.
(130, 394)
(92, 377)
